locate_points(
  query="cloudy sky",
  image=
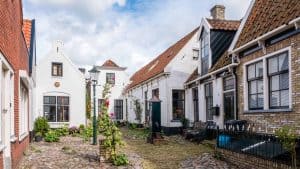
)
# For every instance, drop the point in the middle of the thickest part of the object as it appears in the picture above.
(130, 32)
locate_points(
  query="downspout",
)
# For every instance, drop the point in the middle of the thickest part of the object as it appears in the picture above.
(235, 59)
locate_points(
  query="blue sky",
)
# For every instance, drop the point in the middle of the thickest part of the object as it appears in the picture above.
(130, 32)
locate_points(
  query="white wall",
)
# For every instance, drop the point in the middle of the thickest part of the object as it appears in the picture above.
(178, 70)
(121, 81)
(72, 84)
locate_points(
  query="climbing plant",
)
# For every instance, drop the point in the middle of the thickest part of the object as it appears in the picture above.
(110, 131)
(138, 110)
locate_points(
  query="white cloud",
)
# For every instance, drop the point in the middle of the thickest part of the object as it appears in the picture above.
(96, 30)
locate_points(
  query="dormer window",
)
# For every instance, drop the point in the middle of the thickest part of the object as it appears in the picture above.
(204, 53)
(57, 69)
(195, 54)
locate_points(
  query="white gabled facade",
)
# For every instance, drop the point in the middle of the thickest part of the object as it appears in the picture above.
(171, 79)
(60, 90)
(118, 79)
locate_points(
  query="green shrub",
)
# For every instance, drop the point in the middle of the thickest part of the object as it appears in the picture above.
(132, 126)
(120, 159)
(62, 131)
(41, 125)
(87, 133)
(81, 127)
(51, 136)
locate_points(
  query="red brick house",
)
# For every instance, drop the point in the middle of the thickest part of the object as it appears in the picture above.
(15, 84)
(267, 47)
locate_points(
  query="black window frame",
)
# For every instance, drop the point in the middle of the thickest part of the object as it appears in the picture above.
(209, 100)
(56, 104)
(278, 73)
(178, 100)
(195, 97)
(109, 79)
(118, 108)
(58, 65)
(256, 80)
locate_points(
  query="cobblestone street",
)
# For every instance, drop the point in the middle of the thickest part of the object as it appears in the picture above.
(74, 153)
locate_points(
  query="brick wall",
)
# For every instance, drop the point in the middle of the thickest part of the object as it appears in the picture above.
(244, 161)
(13, 47)
(268, 122)
(1, 160)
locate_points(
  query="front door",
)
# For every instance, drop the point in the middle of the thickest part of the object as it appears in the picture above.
(229, 106)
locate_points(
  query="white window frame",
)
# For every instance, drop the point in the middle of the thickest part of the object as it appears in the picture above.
(264, 59)
(23, 112)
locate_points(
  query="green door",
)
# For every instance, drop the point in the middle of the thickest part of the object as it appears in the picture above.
(156, 121)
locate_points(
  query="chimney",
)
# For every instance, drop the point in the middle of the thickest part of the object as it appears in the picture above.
(218, 12)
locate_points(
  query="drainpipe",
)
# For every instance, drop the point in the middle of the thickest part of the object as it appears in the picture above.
(235, 93)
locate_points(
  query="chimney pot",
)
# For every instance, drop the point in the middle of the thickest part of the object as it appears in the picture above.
(218, 12)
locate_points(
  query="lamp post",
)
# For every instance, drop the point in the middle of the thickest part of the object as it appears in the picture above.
(94, 73)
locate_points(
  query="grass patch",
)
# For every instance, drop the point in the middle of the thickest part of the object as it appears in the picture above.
(137, 133)
(162, 156)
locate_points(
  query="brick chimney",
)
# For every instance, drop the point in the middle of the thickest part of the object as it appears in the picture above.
(218, 12)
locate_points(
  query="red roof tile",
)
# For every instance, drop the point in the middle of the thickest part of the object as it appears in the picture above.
(156, 66)
(27, 31)
(224, 24)
(109, 63)
(267, 15)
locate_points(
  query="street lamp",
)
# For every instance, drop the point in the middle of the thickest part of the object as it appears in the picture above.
(94, 73)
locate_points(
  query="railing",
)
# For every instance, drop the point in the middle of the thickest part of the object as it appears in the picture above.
(240, 139)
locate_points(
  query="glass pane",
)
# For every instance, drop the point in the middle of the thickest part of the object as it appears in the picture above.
(274, 100)
(273, 65)
(274, 83)
(253, 101)
(284, 98)
(251, 71)
(259, 69)
(283, 62)
(63, 113)
(253, 87)
(260, 86)
(228, 83)
(260, 100)
(50, 113)
(284, 81)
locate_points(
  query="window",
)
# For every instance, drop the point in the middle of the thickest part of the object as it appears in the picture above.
(23, 113)
(119, 109)
(204, 53)
(255, 86)
(278, 75)
(155, 92)
(110, 78)
(196, 104)
(56, 108)
(195, 54)
(57, 69)
(146, 106)
(209, 101)
(100, 103)
(178, 104)
(228, 83)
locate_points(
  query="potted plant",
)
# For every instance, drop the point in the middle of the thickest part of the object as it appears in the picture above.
(38, 137)
(41, 125)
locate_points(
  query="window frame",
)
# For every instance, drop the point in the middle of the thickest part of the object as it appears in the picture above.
(108, 78)
(58, 64)
(266, 107)
(118, 107)
(256, 80)
(278, 73)
(56, 104)
(209, 98)
(195, 98)
(178, 100)
(204, 42)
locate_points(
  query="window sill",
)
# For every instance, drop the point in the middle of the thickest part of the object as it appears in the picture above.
(267, 111)
(58, 122)
(23, 136)
(175, 121)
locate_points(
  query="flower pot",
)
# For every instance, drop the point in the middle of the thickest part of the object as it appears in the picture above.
(38, 138)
